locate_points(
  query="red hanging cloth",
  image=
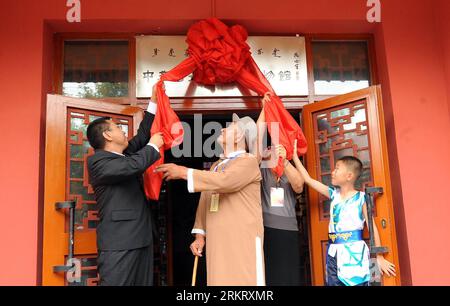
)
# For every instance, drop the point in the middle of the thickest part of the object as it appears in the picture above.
(219, 54)
(167, 122)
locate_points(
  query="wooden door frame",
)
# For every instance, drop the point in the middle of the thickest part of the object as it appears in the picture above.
(213, 104)
(210, 105)
(55, 176)
(381, 176)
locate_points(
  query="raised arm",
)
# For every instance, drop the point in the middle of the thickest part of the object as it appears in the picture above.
(262, 127)
(316, 185)
(241, 172)
(143, 134)
(238, 174)
(295, 179)
(111, 170)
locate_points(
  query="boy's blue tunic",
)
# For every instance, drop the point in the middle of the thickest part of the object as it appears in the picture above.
(352, 257)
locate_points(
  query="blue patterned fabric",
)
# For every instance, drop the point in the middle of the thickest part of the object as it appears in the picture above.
(352, 258)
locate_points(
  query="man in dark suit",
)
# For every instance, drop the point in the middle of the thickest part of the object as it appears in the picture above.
(124, 232)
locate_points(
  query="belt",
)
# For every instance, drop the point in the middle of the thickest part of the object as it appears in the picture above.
(344, 237)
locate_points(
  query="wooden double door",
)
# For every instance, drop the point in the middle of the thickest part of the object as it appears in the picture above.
(350, 124)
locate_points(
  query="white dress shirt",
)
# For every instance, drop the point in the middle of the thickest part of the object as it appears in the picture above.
(151, 108)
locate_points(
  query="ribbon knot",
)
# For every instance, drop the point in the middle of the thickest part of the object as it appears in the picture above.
(219, 54)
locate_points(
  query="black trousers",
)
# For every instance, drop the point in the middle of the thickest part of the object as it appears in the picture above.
(126, 268)
(332, 275)
(281, 257)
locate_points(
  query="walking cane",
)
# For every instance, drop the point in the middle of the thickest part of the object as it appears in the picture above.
(194, 272)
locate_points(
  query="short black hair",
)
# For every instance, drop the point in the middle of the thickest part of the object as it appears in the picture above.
(95, 132)
(353, 164)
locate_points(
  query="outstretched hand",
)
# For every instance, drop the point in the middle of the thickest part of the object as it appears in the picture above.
(172, 172)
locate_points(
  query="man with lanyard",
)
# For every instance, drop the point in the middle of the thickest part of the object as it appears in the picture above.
(229, 211)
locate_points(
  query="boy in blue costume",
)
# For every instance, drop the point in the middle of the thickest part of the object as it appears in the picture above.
(348, 254)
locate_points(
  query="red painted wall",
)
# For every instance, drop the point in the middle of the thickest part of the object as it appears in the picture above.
(442, 14)
(413, 47)
(414, 65)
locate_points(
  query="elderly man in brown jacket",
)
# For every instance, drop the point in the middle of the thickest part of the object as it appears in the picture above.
(229, 213)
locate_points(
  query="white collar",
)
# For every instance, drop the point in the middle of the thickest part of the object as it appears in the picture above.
(117, 153)
(233, 154)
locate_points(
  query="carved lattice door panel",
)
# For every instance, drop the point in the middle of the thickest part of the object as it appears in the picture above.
(350, 124)
(66, 179)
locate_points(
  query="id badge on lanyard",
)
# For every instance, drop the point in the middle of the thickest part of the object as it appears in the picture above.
(277, 196)
(214, 206)
(214, 203)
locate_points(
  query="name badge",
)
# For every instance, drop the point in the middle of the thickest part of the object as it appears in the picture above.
(214, 203)
(276, 197)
